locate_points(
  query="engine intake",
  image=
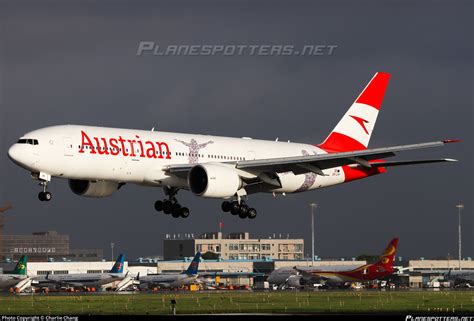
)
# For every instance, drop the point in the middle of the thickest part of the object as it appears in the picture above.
(93, 188)
(214, 181)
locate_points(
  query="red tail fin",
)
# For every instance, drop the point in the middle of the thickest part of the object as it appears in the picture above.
(388, 256)
(354, 130)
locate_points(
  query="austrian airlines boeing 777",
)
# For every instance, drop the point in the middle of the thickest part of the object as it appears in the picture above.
(98, 161)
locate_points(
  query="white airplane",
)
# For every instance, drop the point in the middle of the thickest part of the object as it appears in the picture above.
(82, 280)
(98, 161)
(299, 277)
(460, 277)
(172, 280)
(15, 278)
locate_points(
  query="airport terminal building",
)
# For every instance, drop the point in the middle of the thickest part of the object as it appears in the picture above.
(45, 246)
(233, 246)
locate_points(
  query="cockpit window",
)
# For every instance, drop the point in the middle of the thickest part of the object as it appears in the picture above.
(27, 141)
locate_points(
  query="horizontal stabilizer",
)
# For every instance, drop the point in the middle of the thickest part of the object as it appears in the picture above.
(411, 162)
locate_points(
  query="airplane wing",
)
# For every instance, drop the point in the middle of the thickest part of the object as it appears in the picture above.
(118, 276)
(303, 273)
(59, 283)
(311, 276)
(316, 163)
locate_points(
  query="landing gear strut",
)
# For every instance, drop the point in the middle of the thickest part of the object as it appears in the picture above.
(241, 209)
(44, 195)
(171, 205)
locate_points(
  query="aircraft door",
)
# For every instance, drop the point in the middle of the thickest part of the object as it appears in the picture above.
(68, 147)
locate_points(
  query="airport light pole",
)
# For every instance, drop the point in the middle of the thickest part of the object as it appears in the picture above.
(460, 207)
(112, 250)
(313, 206)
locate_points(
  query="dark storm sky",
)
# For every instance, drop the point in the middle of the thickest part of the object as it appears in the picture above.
(75, 63)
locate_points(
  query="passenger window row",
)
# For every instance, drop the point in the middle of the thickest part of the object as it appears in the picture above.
(211, 156)
(116, 149)
(166, 153)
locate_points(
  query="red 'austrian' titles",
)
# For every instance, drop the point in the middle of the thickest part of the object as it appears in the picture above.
(115, 146)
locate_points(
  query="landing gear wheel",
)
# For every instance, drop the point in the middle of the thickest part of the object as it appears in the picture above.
(170, 204)
(184, 212)
(243, 211)
(167, 207)
(226, 206)
(234, 208)
(159, 206)
(252, 213)
(47, 196)
(44, 196)
(175, 208)
(176, 211)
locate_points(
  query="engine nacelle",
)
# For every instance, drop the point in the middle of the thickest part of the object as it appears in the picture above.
(93, 188)
(214, 180)
(296, 281)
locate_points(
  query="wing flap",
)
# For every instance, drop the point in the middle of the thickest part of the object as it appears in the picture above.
(412, 162)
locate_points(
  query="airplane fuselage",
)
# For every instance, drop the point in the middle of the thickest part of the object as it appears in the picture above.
(99, 160)
(137, 156)
(168, 280)
(78, 280)
(10, 280)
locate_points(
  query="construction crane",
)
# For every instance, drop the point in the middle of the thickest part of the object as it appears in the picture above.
(3, 209)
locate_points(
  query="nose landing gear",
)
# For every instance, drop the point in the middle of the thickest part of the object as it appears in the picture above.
(44, 196)
(171, 205)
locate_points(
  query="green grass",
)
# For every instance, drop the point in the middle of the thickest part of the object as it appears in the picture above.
(243, 302)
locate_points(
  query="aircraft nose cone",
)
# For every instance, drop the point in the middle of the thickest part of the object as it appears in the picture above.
(13, 153)
(18, 154)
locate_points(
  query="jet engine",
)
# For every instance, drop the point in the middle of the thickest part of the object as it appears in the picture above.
(93, 188)
(214, 181)
(296, 281)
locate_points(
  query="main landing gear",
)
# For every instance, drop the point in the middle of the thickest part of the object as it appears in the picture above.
(242, 209)
(44, 196)
(171, 205)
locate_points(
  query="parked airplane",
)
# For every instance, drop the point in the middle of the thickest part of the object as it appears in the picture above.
(302, 276)
(18, 275)
(172, 280)
(460, 277)
(82, 280)
(98, 161)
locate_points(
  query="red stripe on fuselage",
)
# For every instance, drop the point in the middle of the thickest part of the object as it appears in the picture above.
(354, 173)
